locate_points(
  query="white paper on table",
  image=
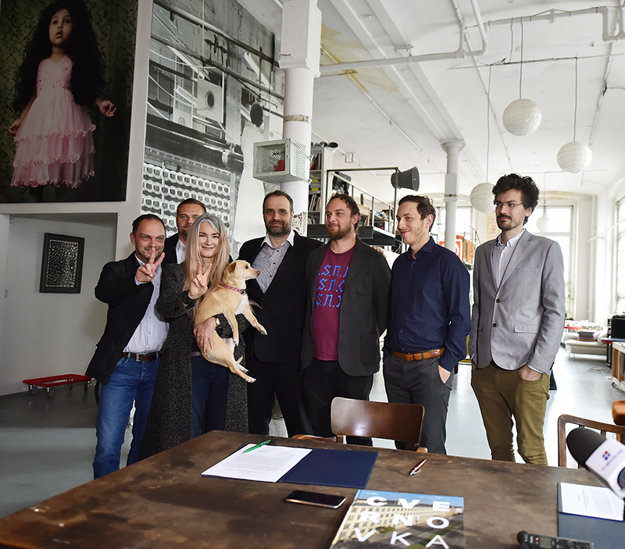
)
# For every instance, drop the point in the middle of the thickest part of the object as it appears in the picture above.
(590, 501)
(266, 464)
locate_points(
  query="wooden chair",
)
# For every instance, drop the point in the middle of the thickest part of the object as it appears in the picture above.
(363, 418)
(618, 416)
(603, 428)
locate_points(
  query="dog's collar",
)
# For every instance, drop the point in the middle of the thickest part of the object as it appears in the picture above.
(233, 288)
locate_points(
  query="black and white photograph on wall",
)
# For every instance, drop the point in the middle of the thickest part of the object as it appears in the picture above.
(67, 69)
(213, 91)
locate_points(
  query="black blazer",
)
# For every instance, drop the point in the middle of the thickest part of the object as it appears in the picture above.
(170, 249)
(127, 303)
(363, 312)
(283, 306)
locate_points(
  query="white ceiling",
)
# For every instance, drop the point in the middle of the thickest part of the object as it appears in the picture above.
(399, 115)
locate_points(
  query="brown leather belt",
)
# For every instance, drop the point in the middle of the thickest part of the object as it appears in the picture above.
(148, 357)
(425, 355)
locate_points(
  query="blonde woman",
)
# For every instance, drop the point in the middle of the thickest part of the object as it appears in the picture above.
(193, 396)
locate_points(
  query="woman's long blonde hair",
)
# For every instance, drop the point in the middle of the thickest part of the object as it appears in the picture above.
(193, 261)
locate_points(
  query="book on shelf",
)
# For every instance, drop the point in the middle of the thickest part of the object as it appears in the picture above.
(398, 519)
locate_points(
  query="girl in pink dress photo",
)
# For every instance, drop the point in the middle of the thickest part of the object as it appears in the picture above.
(58, 79)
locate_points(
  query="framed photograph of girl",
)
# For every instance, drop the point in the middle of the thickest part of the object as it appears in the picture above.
(67, 94)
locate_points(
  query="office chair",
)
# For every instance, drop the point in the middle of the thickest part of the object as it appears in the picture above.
(603, 428)
(363, 418)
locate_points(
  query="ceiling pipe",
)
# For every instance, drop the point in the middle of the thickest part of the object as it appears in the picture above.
(327, 70)
(551, 15)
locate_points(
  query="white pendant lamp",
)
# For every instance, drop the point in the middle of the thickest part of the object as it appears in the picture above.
(575, 156)
(522, 116)
(482, 197)
(482, 194)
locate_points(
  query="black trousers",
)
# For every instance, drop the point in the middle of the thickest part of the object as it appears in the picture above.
(322, 381)
(418, 382)
(275, 380)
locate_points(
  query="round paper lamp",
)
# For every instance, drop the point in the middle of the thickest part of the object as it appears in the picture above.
(544, 223)
(482, 197)
(522, 117)
(574, 157)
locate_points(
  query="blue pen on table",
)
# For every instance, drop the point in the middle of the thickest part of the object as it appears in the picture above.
(257, 446)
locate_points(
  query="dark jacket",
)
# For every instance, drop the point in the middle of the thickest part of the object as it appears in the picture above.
(363, 312)
(127, 303)
(169, 420)
(170, 249)
(282, 307)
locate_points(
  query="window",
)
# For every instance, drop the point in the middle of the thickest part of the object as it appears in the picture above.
(620, 255)
(557, 228)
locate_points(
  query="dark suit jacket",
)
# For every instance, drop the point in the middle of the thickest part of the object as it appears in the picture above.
(363, 312)
(127, 303)
(170, 249)
(282, 306)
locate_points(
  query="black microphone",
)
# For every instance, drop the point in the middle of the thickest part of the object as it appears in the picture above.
(604, 457)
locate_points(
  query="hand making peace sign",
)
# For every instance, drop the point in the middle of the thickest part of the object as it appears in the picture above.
(199, 284)
(147, 271)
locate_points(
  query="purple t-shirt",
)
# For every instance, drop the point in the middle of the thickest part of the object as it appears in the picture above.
(325, 319)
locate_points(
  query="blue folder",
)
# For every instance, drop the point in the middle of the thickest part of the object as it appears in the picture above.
(605, 534)
(344, 468)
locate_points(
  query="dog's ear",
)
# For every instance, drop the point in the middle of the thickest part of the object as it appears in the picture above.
(230, 268)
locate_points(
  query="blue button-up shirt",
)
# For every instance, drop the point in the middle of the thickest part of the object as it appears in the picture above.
(430, 304)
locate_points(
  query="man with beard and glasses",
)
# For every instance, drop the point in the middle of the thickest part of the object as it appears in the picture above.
(348, 290)
(517, 324)
(280, 290)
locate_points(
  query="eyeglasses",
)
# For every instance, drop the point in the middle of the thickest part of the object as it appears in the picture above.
(509, 205)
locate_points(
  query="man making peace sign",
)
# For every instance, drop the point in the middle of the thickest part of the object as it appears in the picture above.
(126, 359)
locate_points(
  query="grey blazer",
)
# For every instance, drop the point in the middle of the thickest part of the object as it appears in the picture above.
(522, 321)
(363, 313)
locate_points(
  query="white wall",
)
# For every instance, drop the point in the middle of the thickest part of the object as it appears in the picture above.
(45, 333)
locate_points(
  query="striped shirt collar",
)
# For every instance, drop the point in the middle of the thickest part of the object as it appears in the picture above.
(290, 239)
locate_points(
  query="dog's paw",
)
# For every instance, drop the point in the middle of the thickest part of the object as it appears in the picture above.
(261, 329)
(241, 371)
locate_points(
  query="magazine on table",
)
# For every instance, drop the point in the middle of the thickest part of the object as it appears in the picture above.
(396, 519)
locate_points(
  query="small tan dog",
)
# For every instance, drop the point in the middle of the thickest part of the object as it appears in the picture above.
(229, 299)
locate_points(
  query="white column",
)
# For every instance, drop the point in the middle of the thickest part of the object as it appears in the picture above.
(452, 148)
(299, 57)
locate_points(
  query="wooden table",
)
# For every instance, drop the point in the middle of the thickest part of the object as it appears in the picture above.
(164, 502)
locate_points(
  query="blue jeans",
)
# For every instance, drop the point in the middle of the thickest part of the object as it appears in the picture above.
(209, 393)
(131, 381)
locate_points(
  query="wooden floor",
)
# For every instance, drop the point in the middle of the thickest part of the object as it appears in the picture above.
(47, 445)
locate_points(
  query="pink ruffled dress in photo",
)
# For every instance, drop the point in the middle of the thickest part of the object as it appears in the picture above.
(54, 144)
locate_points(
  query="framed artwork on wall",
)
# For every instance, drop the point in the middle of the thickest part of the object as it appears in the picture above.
(68, 114)
(61, 264)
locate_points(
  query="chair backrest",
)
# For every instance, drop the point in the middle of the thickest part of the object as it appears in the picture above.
(603, 428)
(362, 418)
(618, 415)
